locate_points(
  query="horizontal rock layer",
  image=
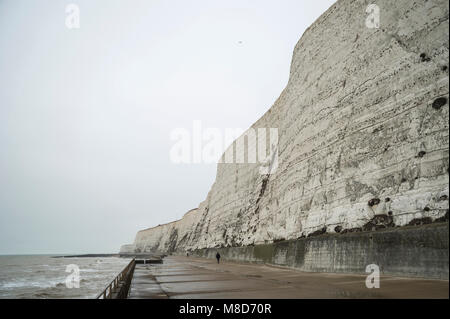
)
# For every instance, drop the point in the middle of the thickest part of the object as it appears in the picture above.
(363, 137)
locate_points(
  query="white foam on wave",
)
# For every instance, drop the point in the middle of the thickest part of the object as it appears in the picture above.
(28, 283)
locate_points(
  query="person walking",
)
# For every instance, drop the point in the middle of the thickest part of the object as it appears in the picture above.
(218, 257)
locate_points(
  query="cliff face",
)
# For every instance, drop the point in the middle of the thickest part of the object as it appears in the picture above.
(363, 137)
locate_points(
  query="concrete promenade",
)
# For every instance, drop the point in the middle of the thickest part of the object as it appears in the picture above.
(189, 277)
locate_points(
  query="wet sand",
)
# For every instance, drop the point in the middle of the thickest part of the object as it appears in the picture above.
(188, 277)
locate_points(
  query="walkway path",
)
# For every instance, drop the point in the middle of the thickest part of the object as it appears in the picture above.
(188, 277)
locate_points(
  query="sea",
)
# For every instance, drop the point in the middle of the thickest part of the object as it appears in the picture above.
(47, 277)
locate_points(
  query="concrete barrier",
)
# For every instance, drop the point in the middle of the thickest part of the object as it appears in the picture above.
(412, 251)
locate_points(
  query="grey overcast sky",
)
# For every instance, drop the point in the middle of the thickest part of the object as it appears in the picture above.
(86, 114)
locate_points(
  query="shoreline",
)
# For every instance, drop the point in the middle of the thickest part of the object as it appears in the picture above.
(86, 256)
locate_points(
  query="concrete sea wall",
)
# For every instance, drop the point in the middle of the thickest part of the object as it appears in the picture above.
(416, 251)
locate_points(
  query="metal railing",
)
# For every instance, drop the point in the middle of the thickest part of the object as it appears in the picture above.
(119, 287)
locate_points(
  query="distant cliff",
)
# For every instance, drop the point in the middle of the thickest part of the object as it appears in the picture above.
(363, 137)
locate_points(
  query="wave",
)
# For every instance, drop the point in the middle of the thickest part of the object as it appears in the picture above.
(28, 283)
(45, 278)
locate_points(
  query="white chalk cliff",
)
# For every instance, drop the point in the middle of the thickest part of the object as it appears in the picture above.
(363, 137)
